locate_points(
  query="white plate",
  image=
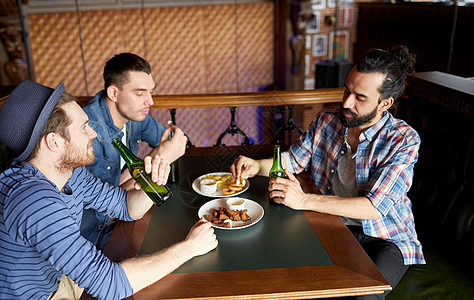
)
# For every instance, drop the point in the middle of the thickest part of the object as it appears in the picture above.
(254, 210)
(197, 187)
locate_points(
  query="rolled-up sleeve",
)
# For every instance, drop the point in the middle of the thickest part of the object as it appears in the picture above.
(391, 181)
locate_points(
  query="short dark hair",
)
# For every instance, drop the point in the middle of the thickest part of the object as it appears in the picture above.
(58, 122)
(395, 63)
(116, 69)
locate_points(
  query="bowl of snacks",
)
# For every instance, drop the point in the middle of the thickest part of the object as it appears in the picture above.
(236, 204)
(208, 186)
(227, 185)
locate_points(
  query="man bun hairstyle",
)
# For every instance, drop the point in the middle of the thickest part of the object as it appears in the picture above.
(116, 69)
(395, 63)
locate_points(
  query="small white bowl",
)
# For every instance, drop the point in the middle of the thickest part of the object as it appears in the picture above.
(208, 186)
(236, 203)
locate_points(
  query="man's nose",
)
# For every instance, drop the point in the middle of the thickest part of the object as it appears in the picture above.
(149, 100)
(92, 133)
(349, 101)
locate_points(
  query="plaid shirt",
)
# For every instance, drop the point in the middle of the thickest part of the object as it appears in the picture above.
(385, 158)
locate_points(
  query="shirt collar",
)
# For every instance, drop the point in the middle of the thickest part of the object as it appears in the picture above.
(104, 108)
(372, 131)
(107, 116)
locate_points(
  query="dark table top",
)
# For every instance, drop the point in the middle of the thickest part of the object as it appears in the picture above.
(288, 254)
(282, 238)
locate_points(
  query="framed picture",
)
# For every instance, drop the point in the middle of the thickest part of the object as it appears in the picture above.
(318, 4)
(320, 44)
(332, 3)
(307, 43)
(314, 24)
(307, 64)
(309, 83)
(339, 44)
(345, 15)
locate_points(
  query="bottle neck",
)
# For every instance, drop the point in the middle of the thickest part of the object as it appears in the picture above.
(126, 154)
(276, 158)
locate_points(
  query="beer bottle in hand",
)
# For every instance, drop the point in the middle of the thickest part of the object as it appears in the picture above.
(173, 177)
(158, 193)
(277, 169)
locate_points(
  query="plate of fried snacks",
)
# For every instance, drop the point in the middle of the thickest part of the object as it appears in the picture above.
(218, 213)
(225, 185)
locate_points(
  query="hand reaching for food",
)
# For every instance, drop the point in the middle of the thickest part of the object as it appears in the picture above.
(228, 183)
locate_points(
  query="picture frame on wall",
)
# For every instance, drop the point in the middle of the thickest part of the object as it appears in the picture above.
(307, 43)
(309, 83)
(332, 3)
(318, 4)
(314, 24)
(320, 45)
(307, 63)
(346, 15)
(339, 44)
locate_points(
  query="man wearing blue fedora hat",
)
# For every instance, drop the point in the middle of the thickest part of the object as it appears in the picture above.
(42, 196)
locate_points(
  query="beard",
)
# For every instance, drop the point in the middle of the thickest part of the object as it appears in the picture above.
(356, 120)
(75, 157)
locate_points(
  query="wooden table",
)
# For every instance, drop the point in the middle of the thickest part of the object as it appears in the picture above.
(350, 273)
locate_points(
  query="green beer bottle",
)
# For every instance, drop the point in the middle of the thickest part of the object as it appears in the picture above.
(277, 169)
(158, 193)
(173, 177)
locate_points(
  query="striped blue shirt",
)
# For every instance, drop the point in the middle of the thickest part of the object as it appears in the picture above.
(40, 239)
(385, 158)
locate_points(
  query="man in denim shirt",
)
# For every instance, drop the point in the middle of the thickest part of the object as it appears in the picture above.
(121, 110)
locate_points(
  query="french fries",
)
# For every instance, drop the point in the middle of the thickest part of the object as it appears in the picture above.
(227, 182)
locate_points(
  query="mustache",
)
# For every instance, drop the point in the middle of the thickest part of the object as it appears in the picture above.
(348, 111)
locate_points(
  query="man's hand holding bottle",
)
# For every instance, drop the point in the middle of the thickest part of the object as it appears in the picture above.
(153, 164)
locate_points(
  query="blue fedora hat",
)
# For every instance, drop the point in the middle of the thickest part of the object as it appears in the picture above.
(24, 114)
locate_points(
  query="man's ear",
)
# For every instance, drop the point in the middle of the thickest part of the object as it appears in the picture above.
(386, 104)
(112, 92)
(53, 141)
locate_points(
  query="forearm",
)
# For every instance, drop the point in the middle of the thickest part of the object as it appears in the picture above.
(138, 203)
(161, 153)
(265, 165)
(351, 207)
(143, 271)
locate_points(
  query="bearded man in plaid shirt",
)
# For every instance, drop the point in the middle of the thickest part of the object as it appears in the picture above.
(361, 158)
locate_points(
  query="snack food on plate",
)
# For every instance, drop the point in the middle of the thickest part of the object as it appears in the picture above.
(220, 216)
(227, 182)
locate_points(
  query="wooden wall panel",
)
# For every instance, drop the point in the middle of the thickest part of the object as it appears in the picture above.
(198, 49)
(56, 50)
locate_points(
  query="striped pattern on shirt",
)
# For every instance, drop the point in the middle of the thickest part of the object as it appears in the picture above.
(385, 159)
(40, 239)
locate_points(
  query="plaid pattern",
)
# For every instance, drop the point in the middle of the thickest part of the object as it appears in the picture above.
(385, 158)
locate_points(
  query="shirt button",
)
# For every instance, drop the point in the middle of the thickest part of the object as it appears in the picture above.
(108, 168)
(329, 188)
(342, 151)
(332, 170)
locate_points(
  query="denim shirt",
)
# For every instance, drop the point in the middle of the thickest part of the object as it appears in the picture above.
(106, 165)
